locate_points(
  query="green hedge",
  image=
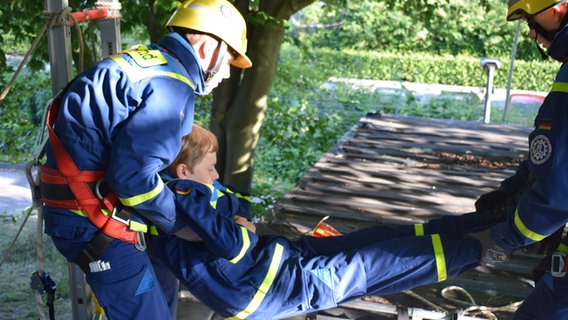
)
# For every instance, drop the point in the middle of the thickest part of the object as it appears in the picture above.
(425, 68)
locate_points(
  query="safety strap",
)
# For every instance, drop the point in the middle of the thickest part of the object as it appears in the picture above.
(78, 182)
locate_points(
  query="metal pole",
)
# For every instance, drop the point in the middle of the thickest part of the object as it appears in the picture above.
(510, 77)
(60, 61)
(488, 89)
(59, 42)
(110, 28)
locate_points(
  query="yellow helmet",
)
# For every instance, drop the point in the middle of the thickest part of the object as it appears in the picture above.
(219, 18)
(520, 8)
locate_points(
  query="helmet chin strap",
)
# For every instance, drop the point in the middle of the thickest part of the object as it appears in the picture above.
(221, 58)
(548, 35)
(540, 31)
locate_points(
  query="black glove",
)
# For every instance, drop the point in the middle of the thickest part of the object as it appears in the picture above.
(493, 205)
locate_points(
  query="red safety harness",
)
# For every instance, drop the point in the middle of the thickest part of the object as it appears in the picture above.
(84, 187)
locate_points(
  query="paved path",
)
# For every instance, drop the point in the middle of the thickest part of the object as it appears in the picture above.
(15, 193)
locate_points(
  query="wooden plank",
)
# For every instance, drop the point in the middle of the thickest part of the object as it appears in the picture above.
(403, 170)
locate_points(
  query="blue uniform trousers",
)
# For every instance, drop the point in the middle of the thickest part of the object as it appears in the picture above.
(547, 301)
(128, 289)
(341, 270)
(319, 273)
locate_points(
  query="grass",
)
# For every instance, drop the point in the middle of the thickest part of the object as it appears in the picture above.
(279, 173)
(17, 299)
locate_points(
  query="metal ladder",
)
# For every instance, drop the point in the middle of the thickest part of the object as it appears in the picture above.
(59, 42)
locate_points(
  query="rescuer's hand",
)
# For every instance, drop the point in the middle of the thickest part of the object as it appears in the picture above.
(492, 205)
(245, 223)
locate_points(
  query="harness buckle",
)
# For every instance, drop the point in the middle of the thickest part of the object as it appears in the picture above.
(117, 211)
(558, 265)
(140, 241)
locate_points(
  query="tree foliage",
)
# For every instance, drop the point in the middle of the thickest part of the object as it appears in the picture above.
(454, 28)
(247, 92)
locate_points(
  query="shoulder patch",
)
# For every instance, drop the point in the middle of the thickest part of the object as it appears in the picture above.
(545, 125)
(145, 57)
(540, 149)
(183, 191)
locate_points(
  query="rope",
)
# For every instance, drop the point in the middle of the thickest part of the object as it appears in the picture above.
(66, 18)
(54, 19)
(7, 253)
(39, 246)
(474, 308)
(426, 301)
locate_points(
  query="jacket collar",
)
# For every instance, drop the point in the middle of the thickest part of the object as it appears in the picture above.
(181, 49)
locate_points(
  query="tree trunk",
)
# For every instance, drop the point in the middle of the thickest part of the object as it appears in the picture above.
(240, 103)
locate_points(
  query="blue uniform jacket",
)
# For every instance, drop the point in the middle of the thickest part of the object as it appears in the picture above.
(229, 261)
(241, 275)
(542, 208)
(126, 115)
(209, 211)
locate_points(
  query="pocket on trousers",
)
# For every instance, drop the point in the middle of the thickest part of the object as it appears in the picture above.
(130, 274)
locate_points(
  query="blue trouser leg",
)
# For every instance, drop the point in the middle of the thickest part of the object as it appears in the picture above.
(127, 288)
(452, 225)
(457, 224)
(168, 282)
(548, 300)
(383, 267)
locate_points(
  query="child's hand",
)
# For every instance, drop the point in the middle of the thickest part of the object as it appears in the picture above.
(245, 223)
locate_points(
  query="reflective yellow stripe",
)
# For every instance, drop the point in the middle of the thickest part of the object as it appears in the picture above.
(213, 203)
(133, 225)
(419, 229)
(135, 74)
(526, 231)
(264, 287)
(136, 200)
(79, 212)
(247, 198)
(82, 213)
(137, 226)
(440, 258)
(562, 248)
(560, 87)
(246, 246)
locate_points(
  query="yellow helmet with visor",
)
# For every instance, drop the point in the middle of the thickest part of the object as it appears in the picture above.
(216, 17)
(522, 8)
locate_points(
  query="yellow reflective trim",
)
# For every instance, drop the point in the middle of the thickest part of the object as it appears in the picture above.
(138, 226)
(419, 229)
(82, 213)
(246, 246)
(562, 248)
(136, 200)
(79, 212)
(264, 286)
(440, 258)
(247, 198)
(135, 74)
(560, 87)
(526, 231)
(154, 230)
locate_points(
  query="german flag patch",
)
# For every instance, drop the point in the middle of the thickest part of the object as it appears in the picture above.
(545, 125)
(183, 191)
